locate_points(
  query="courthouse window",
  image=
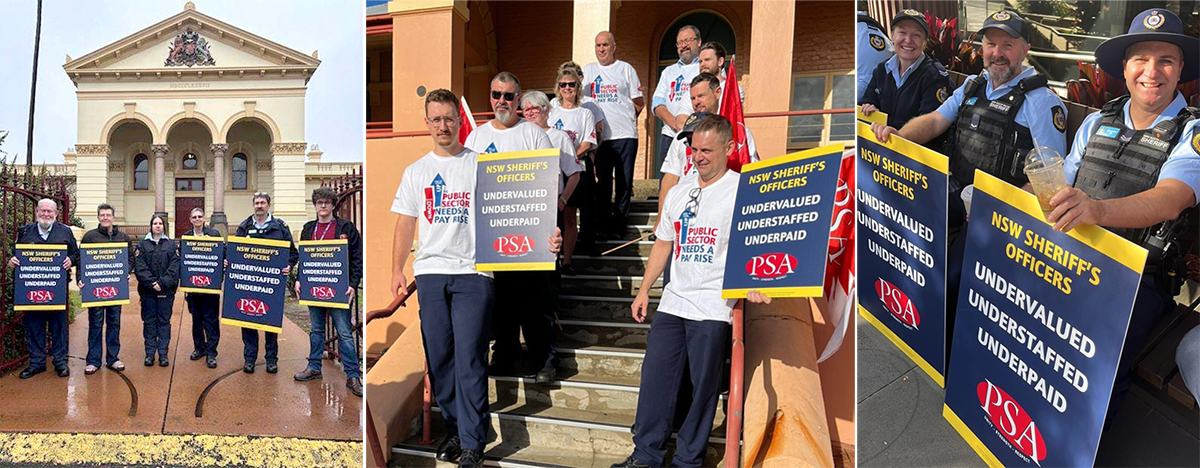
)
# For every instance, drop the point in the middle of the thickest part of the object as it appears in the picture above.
(826, 90)
(239, 178)
(141, 172)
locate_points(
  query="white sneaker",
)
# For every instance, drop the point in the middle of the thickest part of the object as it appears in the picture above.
(117, 366)
(90, 369)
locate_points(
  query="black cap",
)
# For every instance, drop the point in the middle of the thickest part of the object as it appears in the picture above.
(1007, 21)
(911, 14)
(1155, 24)
(689, 125)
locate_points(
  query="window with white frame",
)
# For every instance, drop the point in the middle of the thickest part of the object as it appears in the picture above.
(823, 90)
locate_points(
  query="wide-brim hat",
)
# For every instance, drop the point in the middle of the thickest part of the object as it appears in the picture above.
(1155, 24)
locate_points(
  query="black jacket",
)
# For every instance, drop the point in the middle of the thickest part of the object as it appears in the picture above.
(345, 230)
(157, 261)
(923, 92)
(59, 234)
(275, 229)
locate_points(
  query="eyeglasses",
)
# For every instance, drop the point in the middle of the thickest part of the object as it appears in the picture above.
(568, 84)
(682, 42)
(323, 203)
(506, 96)
(693, 204)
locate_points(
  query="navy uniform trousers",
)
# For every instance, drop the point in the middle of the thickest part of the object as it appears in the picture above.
(456, 315)
(675, 348)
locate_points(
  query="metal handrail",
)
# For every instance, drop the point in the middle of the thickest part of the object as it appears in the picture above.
(733, 417)
(372, 434)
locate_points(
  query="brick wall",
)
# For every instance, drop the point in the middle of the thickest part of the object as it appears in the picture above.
(829, 46)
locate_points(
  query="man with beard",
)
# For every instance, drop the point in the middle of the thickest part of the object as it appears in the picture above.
(670, 102)
(525, 300)
(994, 119)
(46, 231)
(105, 320)
(264, 226)
(1134, 166)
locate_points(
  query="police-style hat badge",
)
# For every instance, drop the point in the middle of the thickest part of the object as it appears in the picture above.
(1155, 24)
(911, 14)
(689, 125)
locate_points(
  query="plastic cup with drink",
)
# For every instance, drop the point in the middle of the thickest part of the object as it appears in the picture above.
(1044, 167)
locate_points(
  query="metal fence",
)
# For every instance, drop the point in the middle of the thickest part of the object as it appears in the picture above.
(349, 206)
(20, 191)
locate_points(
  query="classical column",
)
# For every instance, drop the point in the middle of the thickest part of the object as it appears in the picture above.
(160, 183)
(92, 166)
(287, 170)
(590, 17)
(218, 217)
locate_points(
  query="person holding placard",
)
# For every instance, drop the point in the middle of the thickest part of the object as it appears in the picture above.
(46, 231)
(909, 84)
(691, 328)
(104, 323)
(1149, 202)
(205, 308)
(330, 227)
(157, 269)
(262, 225)
(525, 300)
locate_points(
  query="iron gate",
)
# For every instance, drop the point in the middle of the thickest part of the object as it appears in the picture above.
(20, 191)
(349, 206)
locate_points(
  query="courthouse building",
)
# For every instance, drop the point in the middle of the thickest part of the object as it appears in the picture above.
(193, 112)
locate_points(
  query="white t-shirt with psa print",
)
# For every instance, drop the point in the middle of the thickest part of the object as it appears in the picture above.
(674, 88)
(577, 123)
(679, 157)
(700, 241)
(523, 136)
(613, 88)
(440, 192)
(567, 164)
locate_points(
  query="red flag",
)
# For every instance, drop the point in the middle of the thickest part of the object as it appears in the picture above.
(839, 271)
(731, 108)
(468, 122)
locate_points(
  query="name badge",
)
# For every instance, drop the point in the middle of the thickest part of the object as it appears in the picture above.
(999, 106)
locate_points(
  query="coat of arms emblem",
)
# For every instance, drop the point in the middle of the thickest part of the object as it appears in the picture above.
(189, 49)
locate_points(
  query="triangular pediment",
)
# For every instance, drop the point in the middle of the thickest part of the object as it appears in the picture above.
(188, 42)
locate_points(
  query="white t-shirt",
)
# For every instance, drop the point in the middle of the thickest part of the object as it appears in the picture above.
(523, 136)
(674, 86)
(586, 103)
(699, 246)
(566, 155)
(440, 192)
(613, 88)
(679, 157)
(577, 123)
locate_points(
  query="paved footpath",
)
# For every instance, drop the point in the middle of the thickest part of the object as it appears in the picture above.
(254, 417)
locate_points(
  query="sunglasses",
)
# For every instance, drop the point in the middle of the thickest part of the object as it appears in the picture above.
(568, 84)
(505, 96)
(693, 204)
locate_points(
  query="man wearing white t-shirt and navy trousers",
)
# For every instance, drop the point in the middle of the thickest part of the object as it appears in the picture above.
(525, 300)
(436, 196)
(691, 329)
(614, 86)
(670, 102)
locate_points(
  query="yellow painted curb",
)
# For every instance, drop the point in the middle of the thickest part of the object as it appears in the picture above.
(176, 450)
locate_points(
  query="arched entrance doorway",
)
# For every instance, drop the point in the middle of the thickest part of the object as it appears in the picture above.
(713, 27)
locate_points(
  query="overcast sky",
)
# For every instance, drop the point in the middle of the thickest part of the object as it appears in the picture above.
(335, 103)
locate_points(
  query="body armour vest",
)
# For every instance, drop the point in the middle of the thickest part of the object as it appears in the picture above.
(986, 136)
(1119, 162)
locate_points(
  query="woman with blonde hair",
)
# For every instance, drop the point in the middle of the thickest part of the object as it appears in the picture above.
(580, 125)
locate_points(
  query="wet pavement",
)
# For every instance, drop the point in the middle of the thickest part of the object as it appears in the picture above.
(167, 400)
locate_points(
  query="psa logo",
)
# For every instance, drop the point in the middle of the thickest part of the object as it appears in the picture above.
(513, 246)
(771, 266)
(321, 292)
(200, 280)
(40, 296)
(898, 303)
(1012, 421)
(105, 292)
(252, 307)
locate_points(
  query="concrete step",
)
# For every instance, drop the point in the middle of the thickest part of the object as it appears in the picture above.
(638, 249)
(579, 333)
(604, 286)
(518, 425)
(411, 455)
(573, 392)
(610, 265)
(615, 365)
(606, 309)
